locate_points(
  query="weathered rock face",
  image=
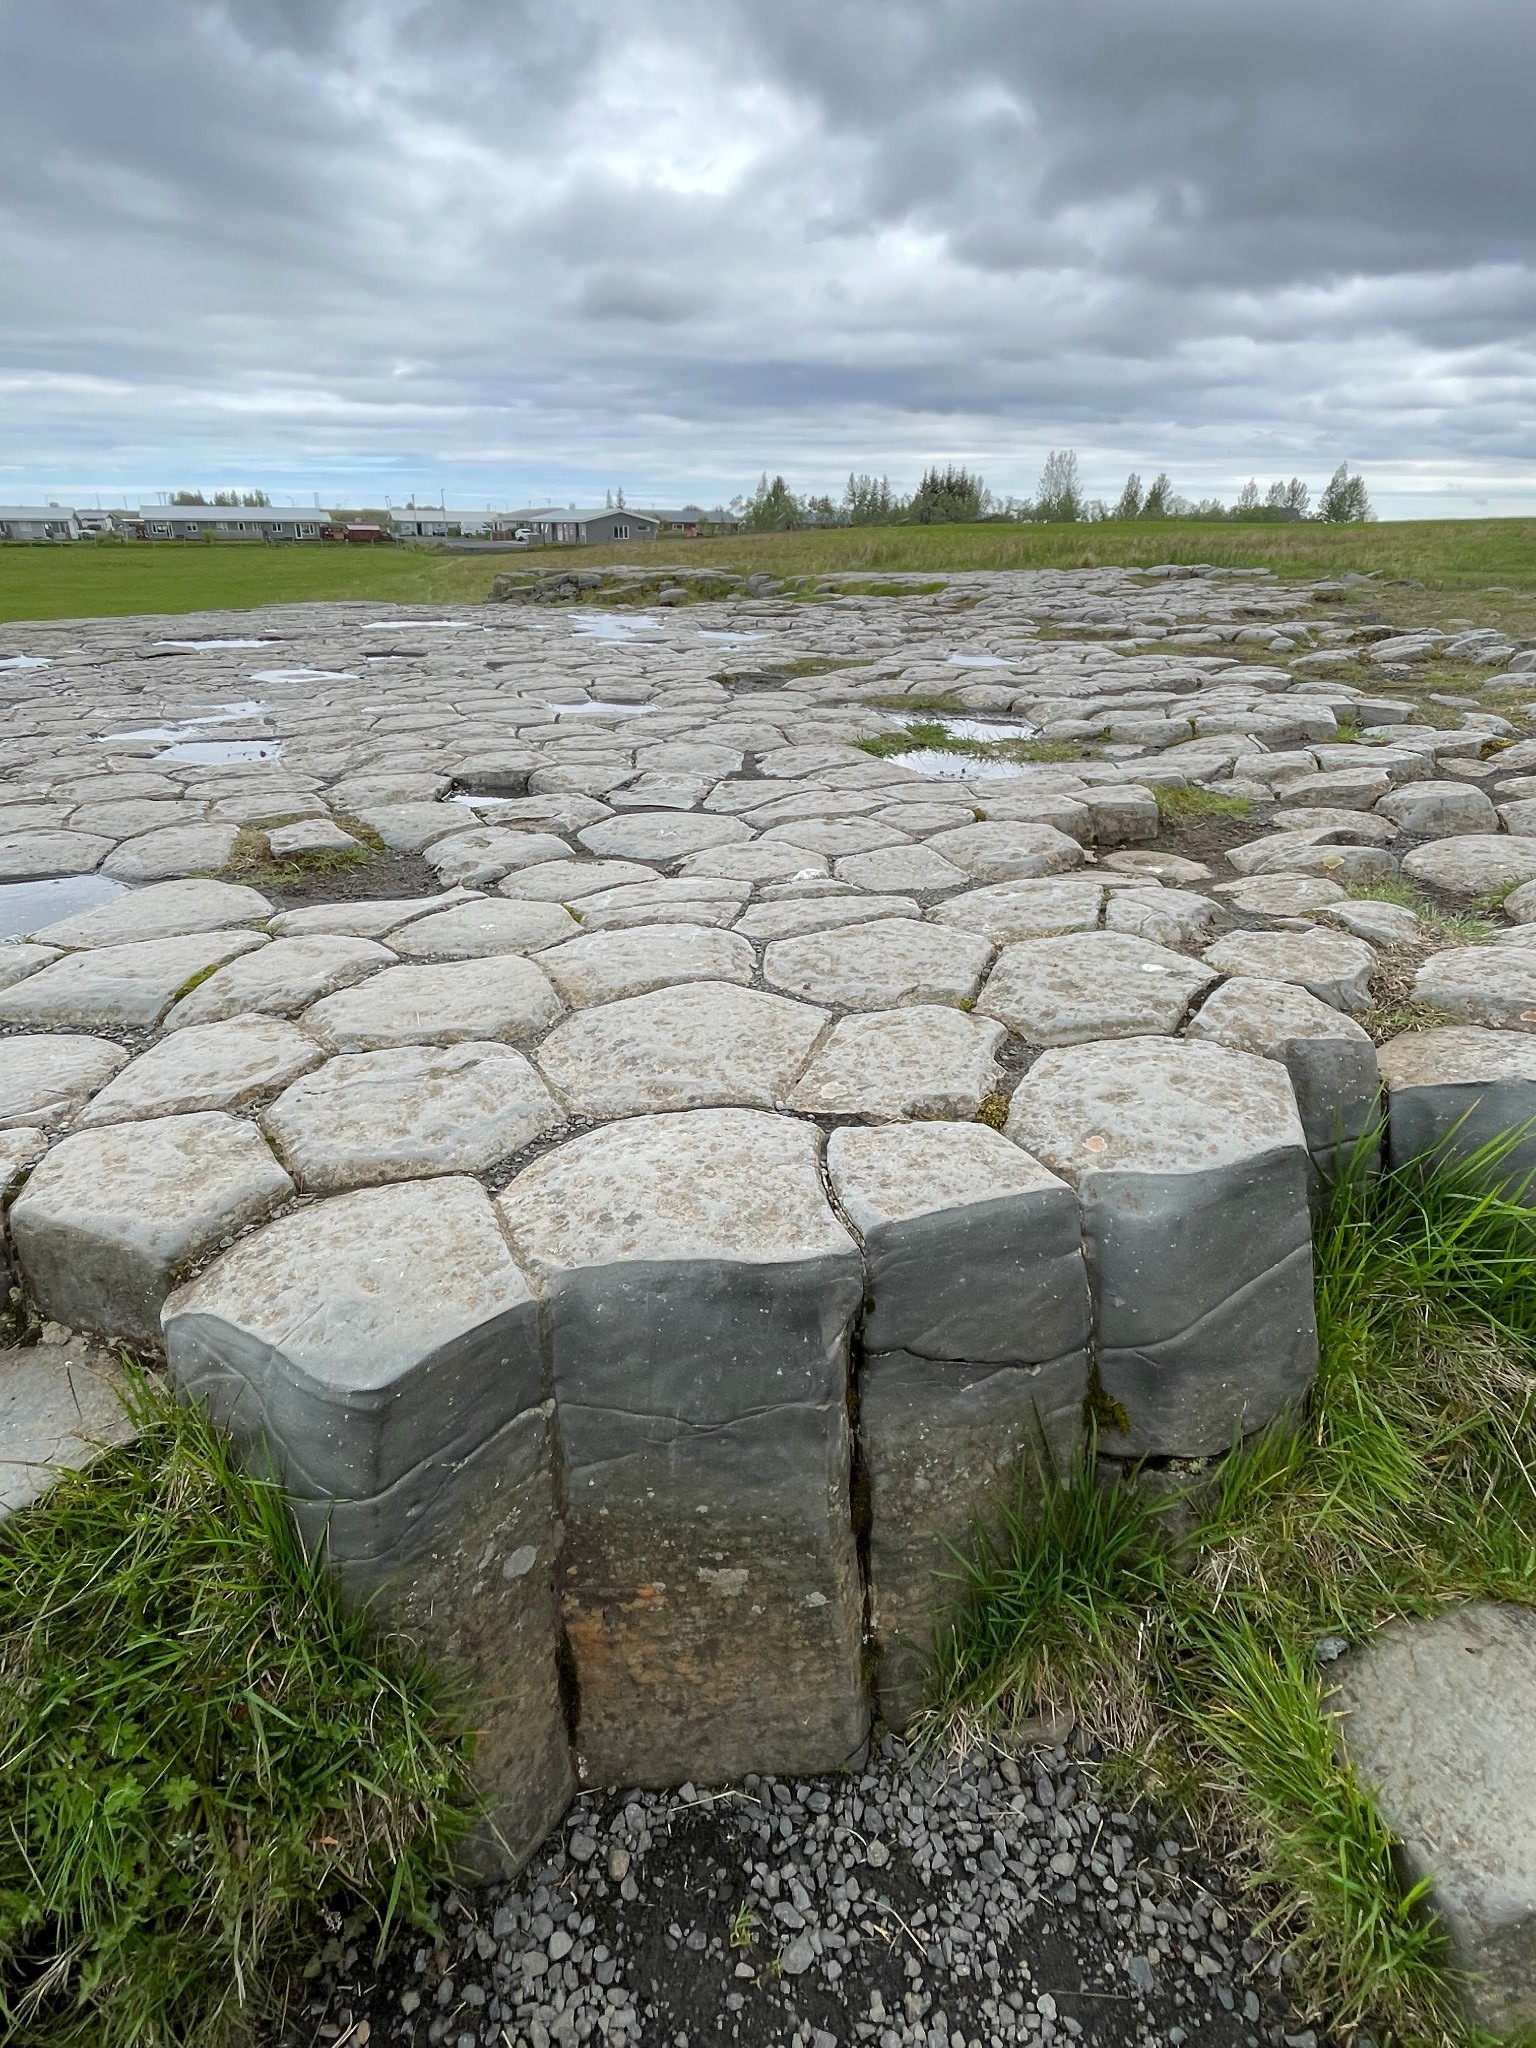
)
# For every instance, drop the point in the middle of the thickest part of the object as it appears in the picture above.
(975, 1365)
(1190, 1165)
(1438, 1719)
(700, 1294)
(381, 1352)
(1452, 1092)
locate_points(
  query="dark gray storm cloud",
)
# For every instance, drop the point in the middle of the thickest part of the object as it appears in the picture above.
(519, 250)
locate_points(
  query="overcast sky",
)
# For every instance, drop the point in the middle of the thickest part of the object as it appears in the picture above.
(532, 251)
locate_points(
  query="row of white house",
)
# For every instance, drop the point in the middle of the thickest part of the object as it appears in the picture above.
(548, 524)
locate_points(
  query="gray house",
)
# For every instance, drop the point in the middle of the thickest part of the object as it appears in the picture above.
(230, 522)
(38, 522)
(556, 524)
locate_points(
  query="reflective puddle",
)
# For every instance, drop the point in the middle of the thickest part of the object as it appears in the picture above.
(28, 906)
(212, 646)
(303, 675)
(189, 728)
(219, 753)
(591, 706)
(611, 626)
(24, 661)
(977, 661)
(941, 767)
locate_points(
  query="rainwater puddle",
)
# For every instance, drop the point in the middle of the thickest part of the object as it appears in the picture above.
(28, 906)
(730, 639)
(610, 626)
(24, 661)
(418, 626)
(211, 646)
(592, 706)
(303, 675)
(941, 767)
(977, 661)
(990, 728)
(219, 753)
(189, 728)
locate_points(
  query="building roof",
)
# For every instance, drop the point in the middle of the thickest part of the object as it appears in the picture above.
(579, 515)
(37, 511)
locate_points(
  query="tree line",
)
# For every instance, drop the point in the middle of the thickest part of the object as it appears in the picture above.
(954, 495)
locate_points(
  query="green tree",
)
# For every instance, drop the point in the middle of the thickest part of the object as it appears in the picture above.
(869, 501)
(949, 496)
(1344, 499)
(1128, 505)
(1158, 501)
(188, 498)
(1060, 495)
(774, 507)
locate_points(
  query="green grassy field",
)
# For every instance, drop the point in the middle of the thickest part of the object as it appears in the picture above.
(87, 581)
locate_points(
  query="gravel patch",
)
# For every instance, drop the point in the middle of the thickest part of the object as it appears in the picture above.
(924, 1902)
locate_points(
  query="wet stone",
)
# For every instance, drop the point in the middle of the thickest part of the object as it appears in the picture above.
(161, 911)
(131, 985)
(700, 1294)
(183, 850)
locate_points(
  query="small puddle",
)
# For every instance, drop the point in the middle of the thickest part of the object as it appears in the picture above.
(595, 705)
(977, 661)
(303, 675)
(211, 646)
(28, 906)
(609, 626)
(941, 767)
(219, 753)
(24, 661)
(189, 728)
(990, 728)
(418, 625)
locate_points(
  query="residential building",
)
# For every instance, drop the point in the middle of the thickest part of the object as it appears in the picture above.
(38, 522)
(437, 522)
(230, 522)
(556, 525)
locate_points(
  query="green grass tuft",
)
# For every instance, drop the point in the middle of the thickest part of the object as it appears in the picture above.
(1181, 1625)
(197, 1747)
(1177, 805)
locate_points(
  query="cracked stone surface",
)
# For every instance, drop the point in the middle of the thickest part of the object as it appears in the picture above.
(677, 904)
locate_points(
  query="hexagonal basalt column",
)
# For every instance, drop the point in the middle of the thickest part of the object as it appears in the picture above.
(381, 1351)
(976, 1357)
(1191, 1170)
(1454, 1090)
(700, 1294)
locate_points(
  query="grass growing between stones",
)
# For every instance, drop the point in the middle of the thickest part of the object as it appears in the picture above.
(198, 1749)
(932, 735)
(1178, 805)
(1189, 1626)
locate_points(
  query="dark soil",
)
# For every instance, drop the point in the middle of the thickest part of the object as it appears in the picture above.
(388, 877)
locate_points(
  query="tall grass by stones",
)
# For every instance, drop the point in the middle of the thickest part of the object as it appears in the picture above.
(1409, 1483)
(198, 1749)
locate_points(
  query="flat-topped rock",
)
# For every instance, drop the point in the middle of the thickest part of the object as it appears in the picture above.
(791, 919)
(161, 911)
(997, 851)
(283, 977)
(1332, 966)
(837, 837)
(660, 836)
(604, 967)
(367, 918)
(889, 1065)
(1157, 866)
(405, 1114)
(1280, 895)
(181, 850)
(486, 853)
(504, 997)
(1088, 985)
(691, 899)
(18, 960)
(757, 860)
(1454, 1090)
(1491, 985)
(111, 1216)
(1330, 1059)
(31, 856)
(44, 1080)
(310, 835)
(1439, 810)
(132, 985)
(700, 1294)
(411, 828)
(206, 1066)
(1191, 1169)
(470, 931)
(381, 1349)
(1166, 917)
(691, 1047)
(897, 870)
(1473, 865)
(571, 881)
(880, 965)
(61, 1405)
(1436, 1719)
(1005, 912)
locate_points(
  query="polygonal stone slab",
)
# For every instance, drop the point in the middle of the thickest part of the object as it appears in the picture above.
(660, 837)
(284, 976)
(381, 1349)
(1191, 1171)
(418, 1110)
(571, 881)
(1280, 895)
(791, 919)
(879, 966)
(1452, 1091)
(485, 853)
(692, 1047)
(1474, 865)
(1088, 985)
(162, 911)
(604, 967)
(1436, 1717)
(1334, 967)
(110, 1216)
(699, 1298)
(60, 1407)
(1167, 917)
(131, 985)
(503, 997)
(1001, 852)
(836, 836)
(18, 960)
(45, 1080)
(1439, 810)
(759, 861)
(183, 850)
(888, 1065)
(693, 899)
(1006, 912)
(410, 828)
(1491, 985)
(365, 917)
(470, 931)
(30, 856)
(1331, 1061)
(900, 868)
(206, 1066)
